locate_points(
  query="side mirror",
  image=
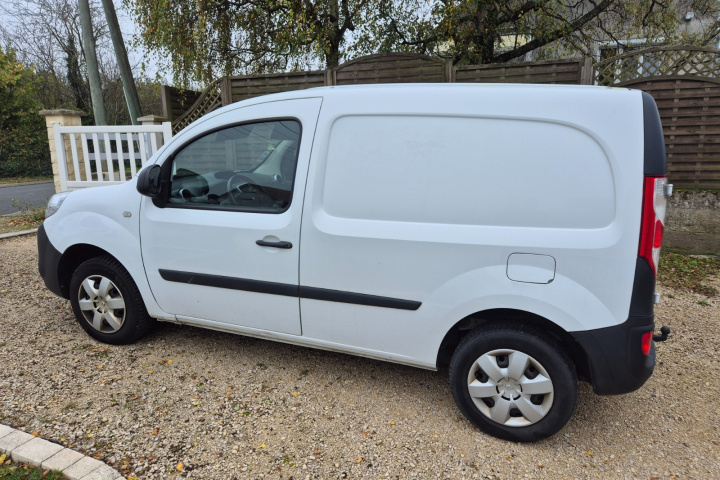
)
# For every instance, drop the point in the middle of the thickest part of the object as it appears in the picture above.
(148, 182)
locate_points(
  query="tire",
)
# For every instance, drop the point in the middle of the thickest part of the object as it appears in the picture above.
(513, 383)
(107, 303)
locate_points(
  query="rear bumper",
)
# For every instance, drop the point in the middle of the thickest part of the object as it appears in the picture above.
(48, 262)
(617, 364)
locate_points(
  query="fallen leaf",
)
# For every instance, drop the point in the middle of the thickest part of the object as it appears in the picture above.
(169, 362)
(262, 445)
(90, 435)
(295, 394)
(358, 460)
(2, 458)
(317, 452)
(150, 371)
(155, 431)
(590, 453)
(45, 473)
(392, 423)
(180, 467)
(34, 434)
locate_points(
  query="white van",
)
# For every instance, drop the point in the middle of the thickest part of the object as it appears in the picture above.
(510, 230)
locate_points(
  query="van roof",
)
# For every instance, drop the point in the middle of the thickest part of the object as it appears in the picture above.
(391, 90)
(339, 89)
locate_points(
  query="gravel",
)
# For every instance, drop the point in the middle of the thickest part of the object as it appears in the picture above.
(191, 403)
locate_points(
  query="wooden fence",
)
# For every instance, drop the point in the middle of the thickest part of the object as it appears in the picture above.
(176, 101)
(379, 68)
(685, 83)
(566, 72)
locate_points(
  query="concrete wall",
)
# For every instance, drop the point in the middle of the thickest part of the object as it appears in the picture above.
(693, 223)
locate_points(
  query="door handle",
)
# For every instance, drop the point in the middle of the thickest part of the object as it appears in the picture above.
(280, 244)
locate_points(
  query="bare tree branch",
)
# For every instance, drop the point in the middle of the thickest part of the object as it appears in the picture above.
(555, 35)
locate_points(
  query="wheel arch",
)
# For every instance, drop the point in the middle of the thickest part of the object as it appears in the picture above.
(513, 318)
(71, 260)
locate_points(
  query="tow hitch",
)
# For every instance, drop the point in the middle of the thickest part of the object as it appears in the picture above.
(664, 333)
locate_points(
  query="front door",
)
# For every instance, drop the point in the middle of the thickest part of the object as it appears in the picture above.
(222, 245)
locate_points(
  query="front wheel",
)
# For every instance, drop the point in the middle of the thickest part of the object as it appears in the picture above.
(107, 303)
(515, 384)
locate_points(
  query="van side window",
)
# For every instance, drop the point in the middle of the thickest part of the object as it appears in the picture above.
(248, 167)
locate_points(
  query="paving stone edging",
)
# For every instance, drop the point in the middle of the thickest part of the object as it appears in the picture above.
(17, 234)
(25, 448)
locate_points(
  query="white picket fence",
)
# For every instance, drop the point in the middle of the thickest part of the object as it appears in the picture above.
(105, 155)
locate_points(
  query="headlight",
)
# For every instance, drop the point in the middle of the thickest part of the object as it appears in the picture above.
(54, 203)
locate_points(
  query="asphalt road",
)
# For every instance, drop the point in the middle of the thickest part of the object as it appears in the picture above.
(34, 195)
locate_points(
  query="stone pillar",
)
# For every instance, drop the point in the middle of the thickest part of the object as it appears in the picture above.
(154, 120)
(67, 118)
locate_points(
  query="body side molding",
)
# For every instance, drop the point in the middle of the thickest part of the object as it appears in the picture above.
(284, 289)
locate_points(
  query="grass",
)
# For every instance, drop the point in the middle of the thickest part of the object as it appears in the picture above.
(688, 272)
(10, 180)
(28, 218)
(18, 471)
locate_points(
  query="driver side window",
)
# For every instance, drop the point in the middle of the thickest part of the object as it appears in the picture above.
(248, 167)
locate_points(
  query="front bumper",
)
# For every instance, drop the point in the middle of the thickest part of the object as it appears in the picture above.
(617, 364)
(49, 262)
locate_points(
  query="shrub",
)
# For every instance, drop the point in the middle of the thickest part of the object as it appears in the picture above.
(24, 147)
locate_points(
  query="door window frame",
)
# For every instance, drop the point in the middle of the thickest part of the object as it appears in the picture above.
(166, 168)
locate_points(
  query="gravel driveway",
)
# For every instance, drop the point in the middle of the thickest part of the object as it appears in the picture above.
(191, 403)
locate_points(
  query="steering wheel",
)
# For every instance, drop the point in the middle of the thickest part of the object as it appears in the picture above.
(235, 186)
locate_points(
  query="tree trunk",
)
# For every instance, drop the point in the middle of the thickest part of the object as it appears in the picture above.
(332, 57)
(96, 95)
(131, 95)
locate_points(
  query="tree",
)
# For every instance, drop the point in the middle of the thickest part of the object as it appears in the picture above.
(91, 63)
(121, 57)
(47, 35)
(491, 31)
(23, 138)
(205, 38)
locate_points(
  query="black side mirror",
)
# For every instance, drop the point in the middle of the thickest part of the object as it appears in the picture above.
(148, 182)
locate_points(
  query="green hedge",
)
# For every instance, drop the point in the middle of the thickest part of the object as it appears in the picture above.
(24, 149)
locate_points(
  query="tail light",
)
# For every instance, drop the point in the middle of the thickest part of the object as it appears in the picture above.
(646, 342)
(655, 193)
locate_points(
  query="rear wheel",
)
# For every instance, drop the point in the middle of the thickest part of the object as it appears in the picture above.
(515, 384)
(107, 303)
